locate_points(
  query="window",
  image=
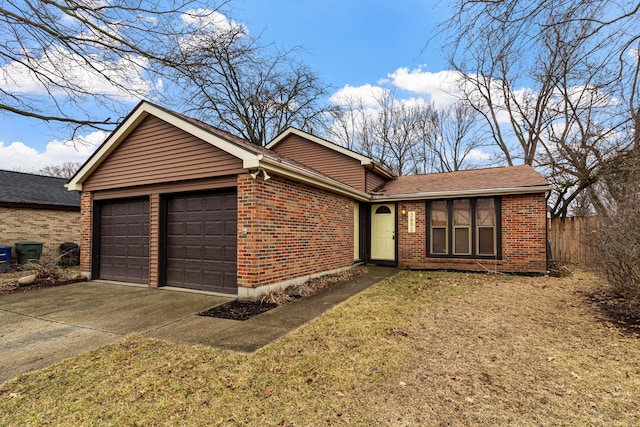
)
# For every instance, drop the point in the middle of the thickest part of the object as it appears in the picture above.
(466, 228)
(439, 222)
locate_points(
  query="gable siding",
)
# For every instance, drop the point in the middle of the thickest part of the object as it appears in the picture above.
(324, 160)
(157, 152)
(373, 181)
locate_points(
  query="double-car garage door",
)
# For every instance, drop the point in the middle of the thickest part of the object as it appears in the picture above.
(197, 244)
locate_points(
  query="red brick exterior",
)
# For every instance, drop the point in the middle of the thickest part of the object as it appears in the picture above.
(86, 225)
(292, 230)
(523, 219)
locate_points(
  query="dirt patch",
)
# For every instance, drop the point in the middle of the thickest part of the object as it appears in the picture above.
(64, 276)
(617, 310)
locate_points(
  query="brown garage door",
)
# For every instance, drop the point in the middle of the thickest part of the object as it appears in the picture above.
(124, 241)
(201, 241)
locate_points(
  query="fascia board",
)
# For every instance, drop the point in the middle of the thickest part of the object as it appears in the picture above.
(461, 193)
(143, 110)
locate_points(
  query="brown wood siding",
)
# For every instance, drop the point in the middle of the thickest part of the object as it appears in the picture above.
(331, 163)
(156, 152)
(373, 181)
(170, 187)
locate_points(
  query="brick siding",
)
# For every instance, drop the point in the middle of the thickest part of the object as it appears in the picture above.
(292, 230)
(86, 226)
(51, 227)
(523, 239)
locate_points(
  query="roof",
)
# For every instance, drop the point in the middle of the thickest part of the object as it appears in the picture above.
(477, 182)
(18, 188)
(252, 156)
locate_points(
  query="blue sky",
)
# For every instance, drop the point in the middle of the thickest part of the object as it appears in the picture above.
(348, 43)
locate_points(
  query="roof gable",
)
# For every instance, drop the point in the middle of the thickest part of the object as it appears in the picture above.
(28, 189)
(364, 160)
(248, 154)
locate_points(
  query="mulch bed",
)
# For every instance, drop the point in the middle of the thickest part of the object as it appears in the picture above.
(244, 310)
(238, 310)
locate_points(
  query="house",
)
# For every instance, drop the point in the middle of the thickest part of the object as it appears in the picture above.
(170, 201)
(37, 208)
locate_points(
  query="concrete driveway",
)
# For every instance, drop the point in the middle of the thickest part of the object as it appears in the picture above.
(42, 327)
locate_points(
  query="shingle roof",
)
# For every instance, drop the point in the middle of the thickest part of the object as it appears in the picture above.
(471, 180)
(30, 189)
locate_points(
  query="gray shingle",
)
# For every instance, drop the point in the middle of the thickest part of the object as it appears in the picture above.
(30, 189)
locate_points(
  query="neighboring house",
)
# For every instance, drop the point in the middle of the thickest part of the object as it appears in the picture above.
(170, 201)
(37, 208)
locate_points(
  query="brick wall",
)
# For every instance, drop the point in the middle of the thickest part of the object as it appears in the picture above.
(292, 231)
(51, 227)
(523, 239)
(86, 225)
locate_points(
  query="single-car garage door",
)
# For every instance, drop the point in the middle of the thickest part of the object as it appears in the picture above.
(201, 241)
(124, 241)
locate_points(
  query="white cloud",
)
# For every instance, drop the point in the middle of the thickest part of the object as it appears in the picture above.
(203, 24)
(18, 156)
(367, 95)
(442, 87)
(478, 155)
(61, 69)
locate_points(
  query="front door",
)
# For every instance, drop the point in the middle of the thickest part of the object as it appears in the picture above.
(383, 232)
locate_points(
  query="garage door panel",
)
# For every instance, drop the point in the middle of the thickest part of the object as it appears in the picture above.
(124, 241)
(201, 252)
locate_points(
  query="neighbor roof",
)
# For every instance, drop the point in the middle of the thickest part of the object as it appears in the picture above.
(18, 188)
(478, 182)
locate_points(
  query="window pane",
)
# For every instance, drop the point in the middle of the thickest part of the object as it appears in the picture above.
(461, 241)
(486, 245)
(461, 212)
(485, 213)
(439, 241)
(438, 214)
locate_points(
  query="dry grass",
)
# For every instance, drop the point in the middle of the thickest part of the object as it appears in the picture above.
(418, 349)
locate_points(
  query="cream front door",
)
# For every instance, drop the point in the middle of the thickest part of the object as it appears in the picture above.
(383, 232)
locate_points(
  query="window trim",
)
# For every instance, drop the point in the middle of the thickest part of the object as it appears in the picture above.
(473, 228)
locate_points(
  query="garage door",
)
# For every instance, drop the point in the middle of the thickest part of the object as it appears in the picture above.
(201, 241)
(124, 241)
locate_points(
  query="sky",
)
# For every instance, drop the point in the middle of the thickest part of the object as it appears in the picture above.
(353, 45)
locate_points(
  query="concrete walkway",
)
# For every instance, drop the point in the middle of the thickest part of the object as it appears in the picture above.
(42, 327)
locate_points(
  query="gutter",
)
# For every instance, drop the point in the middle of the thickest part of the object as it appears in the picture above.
(460, 193)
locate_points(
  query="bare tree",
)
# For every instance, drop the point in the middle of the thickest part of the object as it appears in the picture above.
(449, 137)
(244, 87)
(57, 57)
(556, 82)
(63, 170)
(407, 136)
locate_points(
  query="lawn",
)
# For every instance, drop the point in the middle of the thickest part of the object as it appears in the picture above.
(420, 348)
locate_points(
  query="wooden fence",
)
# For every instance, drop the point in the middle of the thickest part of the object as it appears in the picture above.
(571, 237)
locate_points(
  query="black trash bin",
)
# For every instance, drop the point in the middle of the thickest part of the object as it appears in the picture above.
(28, 251)
(69, 254)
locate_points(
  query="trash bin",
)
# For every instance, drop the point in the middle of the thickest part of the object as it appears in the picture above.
(69, 254)
(26, 251)
(5, 258)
